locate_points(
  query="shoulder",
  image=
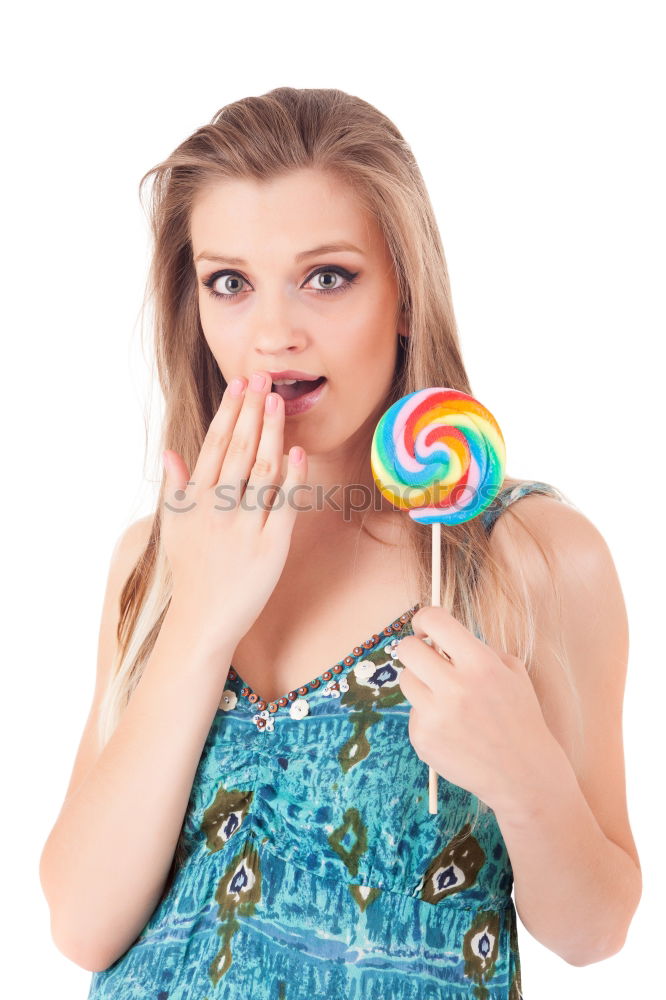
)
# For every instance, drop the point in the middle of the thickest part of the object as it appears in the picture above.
(549, 540)
(136, 533)
(129, 546)
(128, 549)
(564, 567)
(571, 581)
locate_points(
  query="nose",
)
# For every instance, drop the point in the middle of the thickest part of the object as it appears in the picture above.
(276, 330)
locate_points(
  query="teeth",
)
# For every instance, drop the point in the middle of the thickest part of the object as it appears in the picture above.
(285, 381)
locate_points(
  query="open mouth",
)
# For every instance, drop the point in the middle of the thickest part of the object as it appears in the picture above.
(300, 388)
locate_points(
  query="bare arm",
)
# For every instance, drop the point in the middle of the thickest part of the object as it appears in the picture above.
(508, 735)
(577, 873)
(106, 860)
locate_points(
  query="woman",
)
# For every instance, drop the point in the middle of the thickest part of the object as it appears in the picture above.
(248, 811)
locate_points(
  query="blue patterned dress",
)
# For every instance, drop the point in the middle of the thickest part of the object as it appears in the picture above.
(313, 868)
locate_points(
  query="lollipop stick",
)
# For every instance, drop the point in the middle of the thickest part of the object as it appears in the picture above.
(436, 565)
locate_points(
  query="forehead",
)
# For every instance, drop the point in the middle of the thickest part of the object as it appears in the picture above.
(292, 212)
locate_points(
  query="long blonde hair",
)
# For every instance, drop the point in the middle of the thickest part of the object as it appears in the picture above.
(263, 137)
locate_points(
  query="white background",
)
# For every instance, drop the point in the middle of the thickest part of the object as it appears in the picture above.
(538, 128)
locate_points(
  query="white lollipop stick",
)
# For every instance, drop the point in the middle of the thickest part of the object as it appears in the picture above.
(436, 563)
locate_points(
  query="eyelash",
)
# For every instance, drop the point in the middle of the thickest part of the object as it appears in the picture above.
(349, 277)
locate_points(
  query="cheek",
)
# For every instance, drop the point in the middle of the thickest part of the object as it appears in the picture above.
(372, 311)
(215, 330)
(209, 314)
(367, 360)
(366, 331)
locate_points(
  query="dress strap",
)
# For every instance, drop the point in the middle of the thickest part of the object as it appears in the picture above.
(510, 494)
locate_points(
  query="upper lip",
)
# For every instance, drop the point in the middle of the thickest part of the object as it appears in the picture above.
(293, 373)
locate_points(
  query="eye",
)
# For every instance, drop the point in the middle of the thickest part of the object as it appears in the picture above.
(215, 282)
(229, 278)
(339, 272)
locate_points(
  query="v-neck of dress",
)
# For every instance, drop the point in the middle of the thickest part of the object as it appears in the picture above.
(396, 625)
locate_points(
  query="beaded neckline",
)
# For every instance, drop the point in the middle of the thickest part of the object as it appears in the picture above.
(332, 679)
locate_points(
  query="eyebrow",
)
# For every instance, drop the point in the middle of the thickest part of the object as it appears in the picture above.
(239, 262)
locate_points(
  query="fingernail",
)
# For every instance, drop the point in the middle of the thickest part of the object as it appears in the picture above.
(271, 402)
(257, 381)
(236, 386)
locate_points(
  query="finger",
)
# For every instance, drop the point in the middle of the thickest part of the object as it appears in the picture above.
(175, 498)
(266, 474)
(449, 634)
(442, 652)
(242, 448)
(206, 472)
(415, 690)
(176, 474)
(512, 662)
(293, 497)
(425, 663)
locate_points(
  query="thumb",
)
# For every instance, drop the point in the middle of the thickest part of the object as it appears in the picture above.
(176, 472)
(513, 662)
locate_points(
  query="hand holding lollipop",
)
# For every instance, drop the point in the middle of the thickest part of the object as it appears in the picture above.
(438, 454)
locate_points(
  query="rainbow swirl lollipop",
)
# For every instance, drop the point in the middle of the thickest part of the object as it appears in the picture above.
(438, 454)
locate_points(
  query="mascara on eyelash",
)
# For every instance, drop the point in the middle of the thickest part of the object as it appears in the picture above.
(349, 276)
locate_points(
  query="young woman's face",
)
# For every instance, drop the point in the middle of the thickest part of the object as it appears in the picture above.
(283, 304)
